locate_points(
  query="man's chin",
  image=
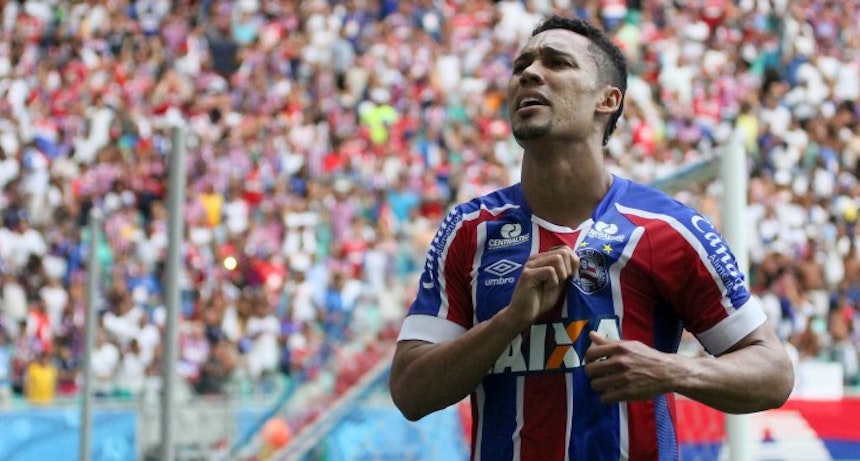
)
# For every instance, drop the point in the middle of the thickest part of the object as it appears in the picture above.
(530, 132)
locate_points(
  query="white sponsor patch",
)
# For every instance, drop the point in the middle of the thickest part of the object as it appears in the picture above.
(605, 231)
(512, 234)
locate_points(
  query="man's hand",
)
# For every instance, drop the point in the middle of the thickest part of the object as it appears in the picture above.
(629, 370)
(542, 283)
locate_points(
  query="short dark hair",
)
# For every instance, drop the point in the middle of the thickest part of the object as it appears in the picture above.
(611, 64)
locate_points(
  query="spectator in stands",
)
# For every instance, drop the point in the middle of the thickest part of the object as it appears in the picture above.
(150, 334)
(14, 302)
(194, 349)
(123, 318)
(68, 370)
(24, 242)
(40, 380)
(262, 329)
(39, 324)
(55, 298)
(842, 349)
(809, 341)
(105, 363)
(337, 306)
(130, 376)
(217, 370)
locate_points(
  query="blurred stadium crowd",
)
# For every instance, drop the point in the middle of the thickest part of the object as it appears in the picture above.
(328, 138)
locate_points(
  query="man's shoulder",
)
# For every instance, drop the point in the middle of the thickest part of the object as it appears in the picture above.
(650, 199)
(466, 216)
(492, 203)
(501, 197)
(654, 209)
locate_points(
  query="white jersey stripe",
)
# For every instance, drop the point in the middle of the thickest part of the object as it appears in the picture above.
(480, 397)
(521, 387)
(569, 428)
(481, 236)
(441, 279)
(623, 434)
(618, 307)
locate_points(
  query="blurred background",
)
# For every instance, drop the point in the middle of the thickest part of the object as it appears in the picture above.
(325, 141)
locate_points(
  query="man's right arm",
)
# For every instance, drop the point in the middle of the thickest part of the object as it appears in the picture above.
(426, 377)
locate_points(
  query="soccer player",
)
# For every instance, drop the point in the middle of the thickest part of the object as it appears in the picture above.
(558, 303)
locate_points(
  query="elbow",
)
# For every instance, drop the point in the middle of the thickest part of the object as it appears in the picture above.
(786, 385)
(781, 385)
(774, 400)
(770, 392)
(779, 380)
(406, 395)
(407, 408)
(411, 416)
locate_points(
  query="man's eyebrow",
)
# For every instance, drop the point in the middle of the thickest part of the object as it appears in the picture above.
(526, 54)
(549, 49)
(543, 49)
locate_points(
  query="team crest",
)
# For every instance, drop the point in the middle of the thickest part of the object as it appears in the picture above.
(593, 275)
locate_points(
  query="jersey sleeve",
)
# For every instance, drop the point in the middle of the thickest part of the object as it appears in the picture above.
(699, 276)
(443, 308)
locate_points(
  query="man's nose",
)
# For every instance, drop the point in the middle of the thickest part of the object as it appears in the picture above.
(532, 74)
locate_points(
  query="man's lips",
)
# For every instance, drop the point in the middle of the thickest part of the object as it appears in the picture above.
(531, 100)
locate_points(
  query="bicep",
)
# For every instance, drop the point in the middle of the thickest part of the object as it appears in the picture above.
(406, 352)
(763, 335)
(761, 354)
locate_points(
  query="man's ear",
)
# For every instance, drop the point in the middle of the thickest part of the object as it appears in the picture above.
(611, 100)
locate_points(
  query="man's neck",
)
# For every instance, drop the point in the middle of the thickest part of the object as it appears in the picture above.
(564, 191)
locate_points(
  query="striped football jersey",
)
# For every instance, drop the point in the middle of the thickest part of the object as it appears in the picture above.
(649, 268)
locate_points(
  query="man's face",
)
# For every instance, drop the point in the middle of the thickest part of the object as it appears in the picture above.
(554, 87)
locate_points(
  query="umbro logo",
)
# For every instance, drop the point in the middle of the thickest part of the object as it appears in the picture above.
(503, 267)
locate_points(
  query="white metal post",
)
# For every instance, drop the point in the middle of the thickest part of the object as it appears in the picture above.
(90, 326)
(733, 217)
(176, 200)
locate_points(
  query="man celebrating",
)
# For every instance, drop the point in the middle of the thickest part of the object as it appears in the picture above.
(558, 303)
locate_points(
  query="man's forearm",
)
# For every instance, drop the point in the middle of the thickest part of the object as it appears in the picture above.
(427, 377)
(755, 378)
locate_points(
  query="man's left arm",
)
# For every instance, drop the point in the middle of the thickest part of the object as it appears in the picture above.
(753, 375)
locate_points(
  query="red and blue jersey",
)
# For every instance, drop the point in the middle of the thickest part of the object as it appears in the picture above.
(649, 268)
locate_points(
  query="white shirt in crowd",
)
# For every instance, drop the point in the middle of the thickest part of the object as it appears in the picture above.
(56, 298)
(126, 326)
(131, 372)
(17, 247)
(263, 354)
(105, 362)
(302, 303)
(13, 304)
